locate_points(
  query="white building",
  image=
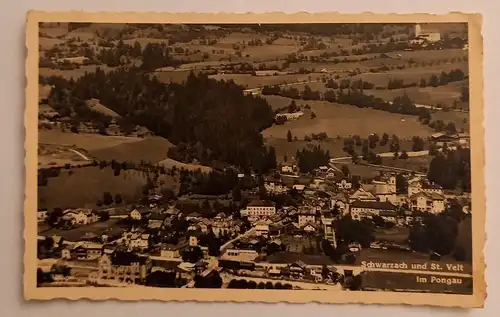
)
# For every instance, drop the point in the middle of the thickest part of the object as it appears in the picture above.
(259, 209)
(276, 187)
(417, 185)
(262, 229)
(427, 34)
(240, 255)
(427, 202)
(306, 215)
(362, 195)
(367, 209)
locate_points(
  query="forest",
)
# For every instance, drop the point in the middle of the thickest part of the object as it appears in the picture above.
(215, 116)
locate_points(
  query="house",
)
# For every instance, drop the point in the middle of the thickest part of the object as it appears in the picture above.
(73, 60)
(287, 168)
(427, 202)
(362, 195)
(297, 269)
(367, 209)
(124, 267)
(275, 186)
(426, 33)
(441, 139)
(139, 242)
(343, 184)
(261, 229)
(306, 215)
(193, 216)
(389, 215)
(41, 215)
(418, 185)
(317, 183)
(241, 255)
(259, 209)
(299, 188)
(85, 251)
(172, 251)
(76, 216)
(135, 214)
(309, 227)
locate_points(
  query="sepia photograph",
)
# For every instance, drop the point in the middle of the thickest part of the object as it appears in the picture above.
(263, 158)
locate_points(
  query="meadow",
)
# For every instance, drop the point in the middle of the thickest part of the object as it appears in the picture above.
(87, 142)
(83, 187)
(344, 120)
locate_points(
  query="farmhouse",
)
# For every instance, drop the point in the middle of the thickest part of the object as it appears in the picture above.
(445, 138)
(368, 209)
(427, 201)
(290, 116)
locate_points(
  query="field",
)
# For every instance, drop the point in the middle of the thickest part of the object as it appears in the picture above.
(461, 119)
(80, 187)
(177, 76)
(344, 120)
(52, 155)
(151, 150)
(250, 81)
(78, 233)
(446, 95)
(410, 74)
(74, 73)
(419, 164)
(170, 163)
(88, 142)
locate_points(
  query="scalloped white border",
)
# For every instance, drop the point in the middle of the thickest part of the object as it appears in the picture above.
(31, 292)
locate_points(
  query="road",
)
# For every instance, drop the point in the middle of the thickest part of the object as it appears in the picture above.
(83, 156)
(245, 234)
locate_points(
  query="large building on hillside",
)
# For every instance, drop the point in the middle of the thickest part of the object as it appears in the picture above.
(427, 33)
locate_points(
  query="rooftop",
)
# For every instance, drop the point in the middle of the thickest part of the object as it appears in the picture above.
(385, 205)
(261, 203)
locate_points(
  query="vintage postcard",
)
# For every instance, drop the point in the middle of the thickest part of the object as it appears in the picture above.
(255, 158)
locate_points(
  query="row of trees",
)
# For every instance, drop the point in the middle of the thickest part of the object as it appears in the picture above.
(452, 169)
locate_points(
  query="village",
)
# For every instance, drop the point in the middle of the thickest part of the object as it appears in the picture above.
(344, 166)
(313, 237)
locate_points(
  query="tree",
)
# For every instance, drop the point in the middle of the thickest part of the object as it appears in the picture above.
(384, 140)
(107, 199)
(118, 199)
(423, 83)
(403, 155)
(345, 170)
(236, 193)
(434, 81)
(418, 144)
(289, 136)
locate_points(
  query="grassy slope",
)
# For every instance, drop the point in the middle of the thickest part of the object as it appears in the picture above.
(86, 185)
(345, 120)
